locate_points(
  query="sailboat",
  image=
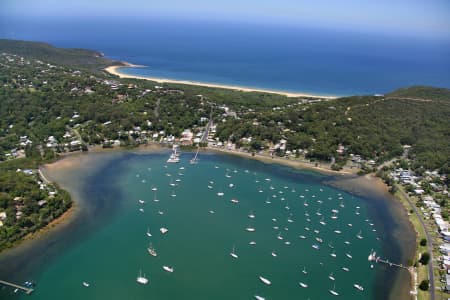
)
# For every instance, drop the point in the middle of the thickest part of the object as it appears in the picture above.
(174, 156)
(331, 276)
(333, 292)
(155, 199)
(86, 284)
(194, 160)
(304, 271)
(359, 235)
(168, 269)
(250, 229)
(148, 232)
(303, 285)
(265, 280)
(141, 279)
(233, 254)
(151, 250)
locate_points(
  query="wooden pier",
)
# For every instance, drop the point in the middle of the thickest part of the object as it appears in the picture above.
(373, 257)
(20, 287)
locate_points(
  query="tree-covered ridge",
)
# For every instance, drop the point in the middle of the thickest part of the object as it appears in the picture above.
(373, 127)
(80, 58)
(422, 92)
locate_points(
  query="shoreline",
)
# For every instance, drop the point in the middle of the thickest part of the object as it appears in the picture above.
(343, 180)
(115, 70)
(293, 163)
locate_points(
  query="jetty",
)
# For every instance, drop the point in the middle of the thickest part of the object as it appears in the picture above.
(20, 287)
(373, 257)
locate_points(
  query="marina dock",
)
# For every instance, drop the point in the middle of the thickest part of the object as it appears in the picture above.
(377, 259)
(20, 287)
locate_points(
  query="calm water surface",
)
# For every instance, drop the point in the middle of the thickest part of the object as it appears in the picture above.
(289, 210)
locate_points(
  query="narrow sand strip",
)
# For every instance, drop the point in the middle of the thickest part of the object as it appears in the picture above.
(115, 70)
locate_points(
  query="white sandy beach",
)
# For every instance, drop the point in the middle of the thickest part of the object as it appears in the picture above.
(115, 70)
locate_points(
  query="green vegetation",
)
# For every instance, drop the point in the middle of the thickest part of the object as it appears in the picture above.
(80, 58)
(424, 258)
(26, 203)
(424, 285)
(422, 92)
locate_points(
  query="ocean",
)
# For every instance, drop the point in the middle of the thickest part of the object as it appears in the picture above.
(124, 196)
(293, 59)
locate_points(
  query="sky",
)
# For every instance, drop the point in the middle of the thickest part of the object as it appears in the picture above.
(421, 17)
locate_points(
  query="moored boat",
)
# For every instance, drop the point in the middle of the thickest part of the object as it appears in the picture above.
(141, 278)
(265, 280)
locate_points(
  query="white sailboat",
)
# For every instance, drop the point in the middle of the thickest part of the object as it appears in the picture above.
(148, 232)
(155, 199)
(168, 269)
(359, 287)
(331, 276)
(174, 156)
(265, 280)
(141, 278)
(151, 250)
(163, 230)
(86, 284)
(194, 160)
(359, 235)
(333, 292)
(303, 285)
(233, 254)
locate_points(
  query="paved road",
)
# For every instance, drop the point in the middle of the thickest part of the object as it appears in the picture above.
(429, 243)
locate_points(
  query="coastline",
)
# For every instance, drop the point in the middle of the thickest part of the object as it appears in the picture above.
(66, 163)
(293, 163)
(115, 70)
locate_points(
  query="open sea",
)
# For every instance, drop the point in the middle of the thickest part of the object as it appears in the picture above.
(286, 225)
(296, 59)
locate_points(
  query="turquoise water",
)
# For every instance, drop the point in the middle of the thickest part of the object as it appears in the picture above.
(111, 247)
